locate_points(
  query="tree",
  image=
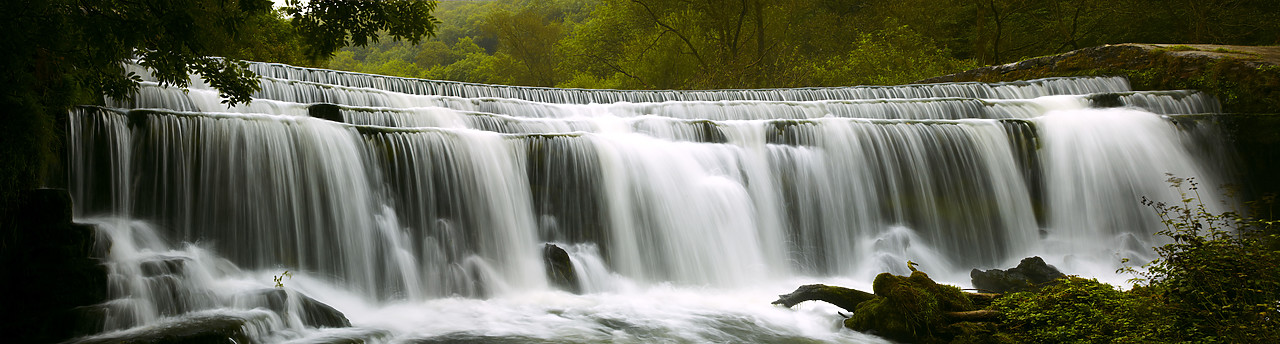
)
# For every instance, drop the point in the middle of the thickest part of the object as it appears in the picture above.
(64, 52)
(526, 43)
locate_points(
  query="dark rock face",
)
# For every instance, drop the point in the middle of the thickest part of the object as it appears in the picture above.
(51, 267)
(325, 111)
(1030, 273)
(560, 269)
(314, 313)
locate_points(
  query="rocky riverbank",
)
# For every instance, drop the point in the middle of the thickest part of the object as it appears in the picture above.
(1246, 79)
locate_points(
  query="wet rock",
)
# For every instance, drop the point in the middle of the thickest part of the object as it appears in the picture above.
(164, 265)
(325, 111)
(560, 269)
(345, 336)
(1105, 100)
(313, 313)
(1031, 273)
(209, 328)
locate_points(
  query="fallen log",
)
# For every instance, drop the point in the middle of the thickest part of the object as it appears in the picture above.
(982, 299)
(981, 315)
(841, 297)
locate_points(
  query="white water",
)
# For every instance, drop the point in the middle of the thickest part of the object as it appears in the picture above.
(421, 216)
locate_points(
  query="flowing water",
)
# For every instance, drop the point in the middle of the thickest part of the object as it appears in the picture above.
(420, 208)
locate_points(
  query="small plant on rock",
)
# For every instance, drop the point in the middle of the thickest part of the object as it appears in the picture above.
(280, 278)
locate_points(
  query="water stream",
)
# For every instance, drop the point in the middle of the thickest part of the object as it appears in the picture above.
(420, 208)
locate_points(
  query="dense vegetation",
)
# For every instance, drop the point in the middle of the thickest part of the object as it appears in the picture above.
(691, 44)
(1217, 281)
(64, 52)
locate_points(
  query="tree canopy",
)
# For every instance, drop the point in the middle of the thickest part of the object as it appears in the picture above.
(688, 44)
(64, 52)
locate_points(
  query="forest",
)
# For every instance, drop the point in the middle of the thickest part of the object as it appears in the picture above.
(703, 44)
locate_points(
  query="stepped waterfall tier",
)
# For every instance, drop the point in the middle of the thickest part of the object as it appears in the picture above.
(420, 209)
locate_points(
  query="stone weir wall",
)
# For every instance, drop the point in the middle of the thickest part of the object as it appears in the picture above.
(1245, 79)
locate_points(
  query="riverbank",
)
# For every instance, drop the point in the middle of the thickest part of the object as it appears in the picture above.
(1246, 79)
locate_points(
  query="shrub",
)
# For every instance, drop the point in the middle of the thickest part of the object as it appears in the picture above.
(1081, 311)
(1220, 275)
(1216, 281)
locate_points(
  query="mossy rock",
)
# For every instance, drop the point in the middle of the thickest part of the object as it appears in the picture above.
(1242, 82)
(909, 309)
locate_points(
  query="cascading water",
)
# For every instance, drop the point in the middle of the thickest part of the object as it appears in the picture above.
(418, 208)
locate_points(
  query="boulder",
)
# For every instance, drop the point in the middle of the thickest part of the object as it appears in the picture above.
(313, 313)
(210, 328)
(560, 269)
(1031, 273)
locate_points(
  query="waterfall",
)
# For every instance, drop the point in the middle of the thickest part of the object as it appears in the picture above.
(420, 207)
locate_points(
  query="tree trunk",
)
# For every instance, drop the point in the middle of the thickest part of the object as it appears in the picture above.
(841, 297)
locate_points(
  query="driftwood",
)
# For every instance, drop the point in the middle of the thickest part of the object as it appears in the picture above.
(982, 299)
(981, 315)
(909, 309)
(841, 297)
(850, 298)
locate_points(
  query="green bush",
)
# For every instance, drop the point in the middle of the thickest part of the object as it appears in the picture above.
(1082, 311)
(1220, 275)
(1216, 281)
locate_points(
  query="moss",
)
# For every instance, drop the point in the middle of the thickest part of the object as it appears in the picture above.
(909, 309)
(979, 333)
(1178, 48)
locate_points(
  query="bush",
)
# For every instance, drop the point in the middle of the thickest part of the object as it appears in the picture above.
(1220, 275)
(1081, 311)
(1216, 281)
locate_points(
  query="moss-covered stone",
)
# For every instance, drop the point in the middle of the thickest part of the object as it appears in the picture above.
(909, 309)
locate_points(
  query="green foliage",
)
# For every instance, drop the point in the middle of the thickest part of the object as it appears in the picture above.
(328, 25)
(279, 279)
(1081, 311)
(1217, 281)
(1220, 275)
(700, 44)
(892, 56)
(664, 44)
(61, 53)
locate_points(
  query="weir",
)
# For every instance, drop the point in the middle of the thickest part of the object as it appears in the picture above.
(420, 208)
